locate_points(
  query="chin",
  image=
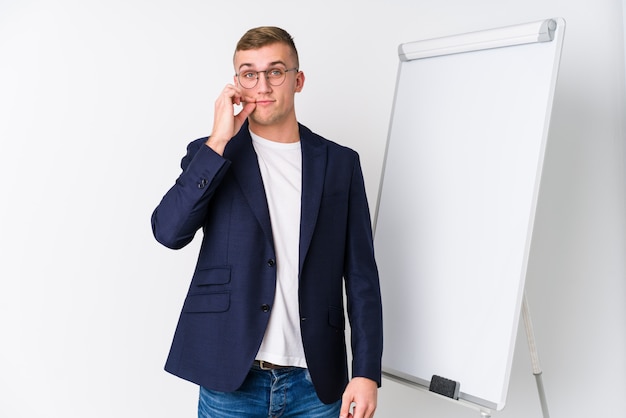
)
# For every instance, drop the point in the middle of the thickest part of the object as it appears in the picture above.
(263, 120)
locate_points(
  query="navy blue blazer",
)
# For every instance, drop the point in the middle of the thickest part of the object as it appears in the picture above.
(230, 298)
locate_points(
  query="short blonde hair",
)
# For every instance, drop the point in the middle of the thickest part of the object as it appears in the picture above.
(266, 35)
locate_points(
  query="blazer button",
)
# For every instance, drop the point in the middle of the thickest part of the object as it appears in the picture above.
(265, 307)
(202, 184)
(271, 262)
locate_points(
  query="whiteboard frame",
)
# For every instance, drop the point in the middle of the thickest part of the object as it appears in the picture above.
(547, 30)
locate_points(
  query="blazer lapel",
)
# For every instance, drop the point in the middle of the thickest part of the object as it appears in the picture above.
(313, 170)
(245, 167)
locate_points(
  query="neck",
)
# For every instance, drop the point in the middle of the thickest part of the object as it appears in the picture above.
(285, 132)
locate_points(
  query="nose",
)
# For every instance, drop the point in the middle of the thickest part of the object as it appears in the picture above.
(262, 83)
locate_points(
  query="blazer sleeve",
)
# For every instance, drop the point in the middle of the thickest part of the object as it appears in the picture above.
(364, 304)
(182, 210)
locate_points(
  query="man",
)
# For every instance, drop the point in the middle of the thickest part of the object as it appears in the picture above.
(285, 224)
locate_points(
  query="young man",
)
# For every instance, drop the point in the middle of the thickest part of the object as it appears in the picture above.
(285, 224)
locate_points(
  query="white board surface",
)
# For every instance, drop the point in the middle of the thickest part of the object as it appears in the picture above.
(456, 209)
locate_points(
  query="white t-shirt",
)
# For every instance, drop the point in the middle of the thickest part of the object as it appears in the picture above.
(281, 170)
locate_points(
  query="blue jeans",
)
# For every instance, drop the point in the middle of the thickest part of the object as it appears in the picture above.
(285, 392)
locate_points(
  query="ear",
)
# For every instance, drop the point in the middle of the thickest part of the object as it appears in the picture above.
(299, 82)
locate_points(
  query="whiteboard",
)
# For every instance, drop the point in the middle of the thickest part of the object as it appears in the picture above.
(456, 203)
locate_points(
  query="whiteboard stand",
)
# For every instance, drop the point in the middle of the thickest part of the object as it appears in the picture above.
(534, 357)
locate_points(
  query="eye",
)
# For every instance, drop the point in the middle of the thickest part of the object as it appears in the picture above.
(250, 75)
(275, 73)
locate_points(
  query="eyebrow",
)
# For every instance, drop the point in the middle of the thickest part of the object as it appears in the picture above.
(271, 64)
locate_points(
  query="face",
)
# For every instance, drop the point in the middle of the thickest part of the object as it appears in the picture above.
(274, 104)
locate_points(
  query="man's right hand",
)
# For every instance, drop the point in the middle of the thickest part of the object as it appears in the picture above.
(226, 124)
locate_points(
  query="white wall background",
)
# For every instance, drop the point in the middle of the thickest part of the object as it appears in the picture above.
(98, 100)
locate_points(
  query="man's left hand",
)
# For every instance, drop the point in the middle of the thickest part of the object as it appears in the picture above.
(362, 392)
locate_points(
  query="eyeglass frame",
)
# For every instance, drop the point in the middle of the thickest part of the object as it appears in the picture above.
(296, 69)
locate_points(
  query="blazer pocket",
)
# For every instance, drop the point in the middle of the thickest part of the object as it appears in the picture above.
(209, 276)
(336, 318)
(208, 302)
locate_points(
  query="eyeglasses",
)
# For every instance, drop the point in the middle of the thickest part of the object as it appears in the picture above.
(274, 76)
